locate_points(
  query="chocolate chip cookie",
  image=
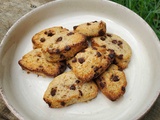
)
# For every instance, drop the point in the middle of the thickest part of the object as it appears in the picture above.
(35, 62)
(90, 63)
(63, 46)
(112, 82)
(41, 37)
(91, 29)
(118, 45)
(66, 89)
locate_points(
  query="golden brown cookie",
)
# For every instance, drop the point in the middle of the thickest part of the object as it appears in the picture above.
(113, 42)
(66, 89)
(41, 37)
(35, 62)
(63, 46)
(91, 29)
(90, 63)
(112, 82)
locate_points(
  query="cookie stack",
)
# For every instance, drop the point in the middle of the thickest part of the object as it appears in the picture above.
(96, 60)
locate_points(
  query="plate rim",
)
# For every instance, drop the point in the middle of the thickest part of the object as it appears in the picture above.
(3, 42)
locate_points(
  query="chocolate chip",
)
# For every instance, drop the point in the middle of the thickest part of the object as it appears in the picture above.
(70, 33)
(102, 85)
(80, 92)
(104, 46)
(75, 27)
(114, 78)
(120, 69)
(50, 34)
(72, 87)
(96, 68)
(120, 56)
(41, 67)
(63, 103)
(62, 68)
(57, 51)
(101, 32)
(62, 56)
(103, 38)
(123, 89)
(88, 23)
(77, 81)
(53, 91)
(114, 61)
(112, 55)
(109, 35)
(99, 54)
(67, 48)
(119, 43)
(45, 32)
(42, 39)
(114, 41)
(81, 60)
(74, 60)
(111, 50)
(94, 48)
(37, 59)
(59, 39)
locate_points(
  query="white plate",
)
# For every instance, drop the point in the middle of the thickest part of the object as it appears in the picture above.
(23, 92)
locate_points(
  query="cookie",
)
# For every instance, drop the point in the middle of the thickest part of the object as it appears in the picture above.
(90, 63)
(41, 37)
(91, 29)
(35, 62)
(63, 46)
(112, 82)
(66, 89)
(113, 42)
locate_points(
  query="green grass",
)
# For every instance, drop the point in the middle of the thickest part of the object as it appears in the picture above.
(149, 10)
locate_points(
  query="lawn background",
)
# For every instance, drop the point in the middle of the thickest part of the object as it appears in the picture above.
(149, 10)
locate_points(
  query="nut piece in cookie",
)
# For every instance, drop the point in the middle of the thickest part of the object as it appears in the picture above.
(63, 46)
(90, 63)
(35, 62)
(118, 45)
(41, 37)
(66, 89)
(91, 29)
(112, 82)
